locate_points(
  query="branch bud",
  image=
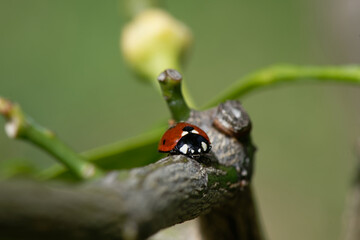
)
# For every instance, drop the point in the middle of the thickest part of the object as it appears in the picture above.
(232, 119)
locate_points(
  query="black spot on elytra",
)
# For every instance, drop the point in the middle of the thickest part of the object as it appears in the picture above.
(164, 141)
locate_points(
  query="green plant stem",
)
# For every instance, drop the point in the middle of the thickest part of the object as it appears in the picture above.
(170, 83)
(184, 86)
(19, 126)
(141, 149)
(288, 73)
(47, 141)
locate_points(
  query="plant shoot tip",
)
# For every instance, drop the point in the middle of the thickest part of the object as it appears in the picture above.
(170, 74)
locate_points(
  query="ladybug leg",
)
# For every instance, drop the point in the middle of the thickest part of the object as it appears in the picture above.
(174, 151)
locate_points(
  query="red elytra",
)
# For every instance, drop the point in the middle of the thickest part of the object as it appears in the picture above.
(172, 136)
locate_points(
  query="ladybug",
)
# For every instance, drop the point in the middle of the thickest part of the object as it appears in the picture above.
(185, 138)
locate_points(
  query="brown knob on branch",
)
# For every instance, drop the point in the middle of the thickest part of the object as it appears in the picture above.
(228, 127)
(232, 119)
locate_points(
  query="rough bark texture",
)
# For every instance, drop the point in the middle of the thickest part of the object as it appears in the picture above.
(137, 203)
(235, 220)
(170, 191)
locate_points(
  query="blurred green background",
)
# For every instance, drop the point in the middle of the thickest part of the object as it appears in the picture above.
(60, 60)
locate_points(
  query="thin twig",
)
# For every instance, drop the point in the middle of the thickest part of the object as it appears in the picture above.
(19, 126)
(170, 83)
(141, 149)
(288, 73)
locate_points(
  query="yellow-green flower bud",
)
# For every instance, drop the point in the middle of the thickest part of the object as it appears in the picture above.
(154, 41)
